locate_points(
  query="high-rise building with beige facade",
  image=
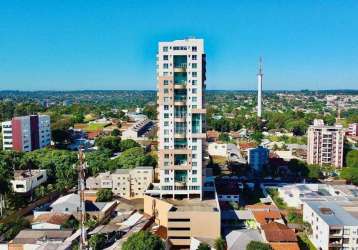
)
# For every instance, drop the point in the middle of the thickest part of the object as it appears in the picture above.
(177, 202)
(325, 144)
(181, 115)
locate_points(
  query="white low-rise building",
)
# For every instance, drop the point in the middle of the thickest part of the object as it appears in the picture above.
(296, 194)
(128, 183)
(26, 180)
(139, 130)
(334, 224)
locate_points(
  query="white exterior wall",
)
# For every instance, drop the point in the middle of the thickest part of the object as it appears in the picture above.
(7, 135)
(167, 173)
(320, 229)
(27, 184)
(44, 131)
(45, 226)
(219, 149)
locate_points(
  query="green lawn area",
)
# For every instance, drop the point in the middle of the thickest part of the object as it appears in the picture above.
(273, 192)
(94, 127)
(304, 242)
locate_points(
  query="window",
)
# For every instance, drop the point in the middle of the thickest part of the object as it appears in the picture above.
(194, 91)
(194, 99)
(194, 57)
(166, 131)
(166, 91)
(166, 115)
(165, 57)
(194, 172)
(166, 139)
(194, 147)
(194, 156)
(166, 171)
(166, 107)
(194, 164)
(166, 82)
(194, 74)
(194, 48)
(194, 65)
(165, 49)
(166, 180)
(166, 124)
(165, 65)
(194, 82)
(166, 156)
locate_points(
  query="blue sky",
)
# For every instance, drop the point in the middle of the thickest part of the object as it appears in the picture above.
(91, 44)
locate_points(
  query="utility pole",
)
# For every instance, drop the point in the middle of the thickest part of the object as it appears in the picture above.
(81, 188)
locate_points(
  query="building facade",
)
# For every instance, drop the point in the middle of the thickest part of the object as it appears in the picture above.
(257, 157)
(26, 133)
(334, 224)
(127, 183)
(26, 180)
(325, 144)
(181, 84)
(353, 129)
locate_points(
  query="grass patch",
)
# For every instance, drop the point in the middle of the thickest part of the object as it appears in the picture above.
(90, 127)
(273, 192)
(304, 242)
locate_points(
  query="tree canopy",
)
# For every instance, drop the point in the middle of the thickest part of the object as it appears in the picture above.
(104, 195)
(143, 240)
(257, 245)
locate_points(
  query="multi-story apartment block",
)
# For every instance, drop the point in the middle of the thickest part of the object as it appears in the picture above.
(325, 144)
(127, 183)
(334, 224)
(258, 157)
(353, 129)
(26, 133)
(181, 84)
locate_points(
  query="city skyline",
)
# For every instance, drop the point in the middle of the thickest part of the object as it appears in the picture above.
(91, 46)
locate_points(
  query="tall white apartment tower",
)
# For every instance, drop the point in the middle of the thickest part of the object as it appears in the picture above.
(325, 144)
(260, 76)
(181, 114)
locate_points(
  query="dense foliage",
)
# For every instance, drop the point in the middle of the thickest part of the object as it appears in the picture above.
(257, 245)
(143, 240)
(104, 195)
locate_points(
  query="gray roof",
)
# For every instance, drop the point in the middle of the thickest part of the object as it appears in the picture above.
(31, 236)
(334, 213)
(239, 239)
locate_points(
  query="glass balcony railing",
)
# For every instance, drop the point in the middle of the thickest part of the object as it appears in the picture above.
(180, 98)
(180, 65)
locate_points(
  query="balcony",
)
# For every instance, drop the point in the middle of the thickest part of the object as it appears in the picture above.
(180, 67)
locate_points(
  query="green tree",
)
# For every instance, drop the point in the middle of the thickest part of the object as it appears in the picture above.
(224, 137)
(220, 244)
(257, 245)
(14, 227)
(150, 111)
(203, 246)
(104, 195)
(98, 161)
(115, 132)
(133, 157)
(143, 240)
(350, 174)
(97, 241)
(257, 136)
(352, 159)
(128, 143)
(111, 143)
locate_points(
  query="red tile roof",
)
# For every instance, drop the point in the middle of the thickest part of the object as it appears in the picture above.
(277, 232)
(52, 218)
